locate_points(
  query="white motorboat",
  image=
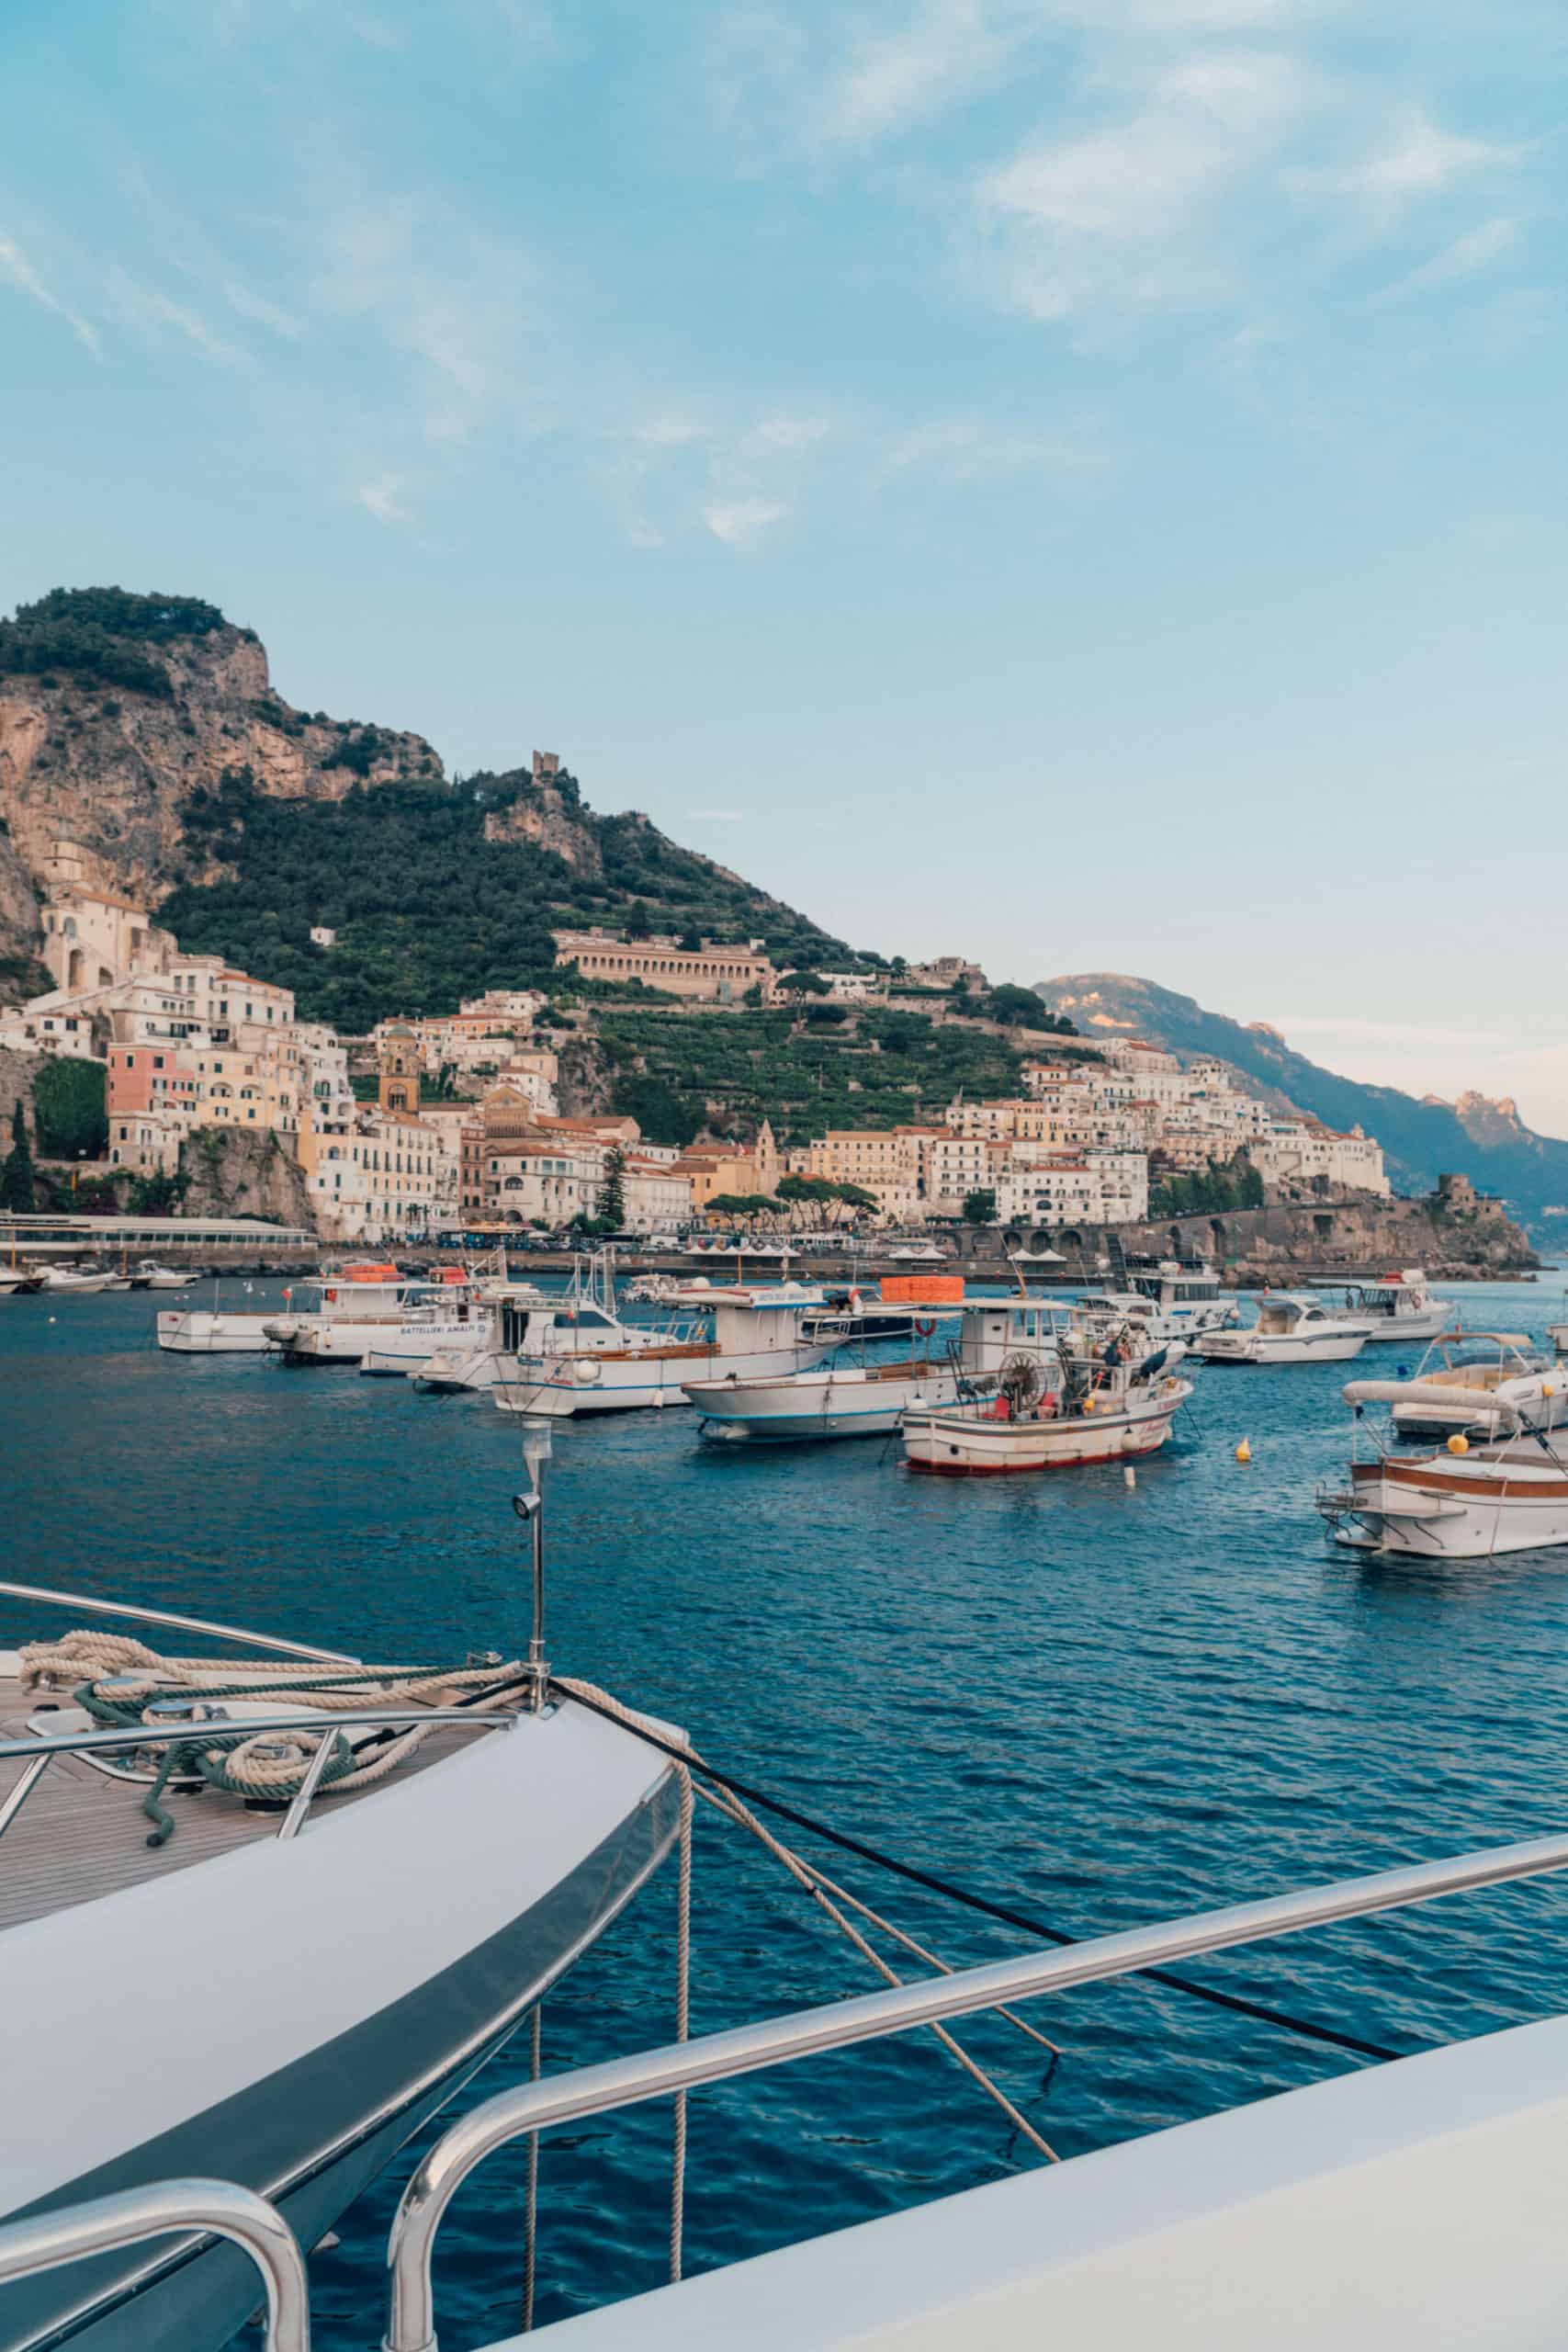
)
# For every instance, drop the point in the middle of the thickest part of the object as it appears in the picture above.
(334, 1923)
(1415, 2201)
(1170, 1303)
(1479, 1385)
(839, 1399)
(441, 1315)
(14, 1280)
(1293, 1326)
(606, 1366)
(1461, 1502)
(480, 1353)
(78, 1278)
(1046, 1393)
(337, 1318)
(149, 1275)
(204, 1331)
(1400, 1307)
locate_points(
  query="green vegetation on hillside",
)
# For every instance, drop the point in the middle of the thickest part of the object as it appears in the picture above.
(1231, 1183)
(881, 1069)
(426, 910)
(102, 635)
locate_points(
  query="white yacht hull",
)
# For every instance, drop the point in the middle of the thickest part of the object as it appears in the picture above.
(56, 1279)
(451, 1369)
(399, 1354)
(306, 1341)
(1399, 1328)
(972, 1445)
(196, 1333)
(295, 2017)
(1319, 1346)
(1449, 1509)
(848, 1401)
(638, 1379)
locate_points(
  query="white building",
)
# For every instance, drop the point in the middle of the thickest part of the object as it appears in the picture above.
(376, 1182)
(1300, 1157)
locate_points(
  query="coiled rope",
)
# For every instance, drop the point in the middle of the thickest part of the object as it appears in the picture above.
(116, 1680)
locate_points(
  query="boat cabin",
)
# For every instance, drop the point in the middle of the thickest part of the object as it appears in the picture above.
(1286, 1312)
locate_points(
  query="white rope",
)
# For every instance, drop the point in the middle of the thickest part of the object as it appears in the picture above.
(87, 1655)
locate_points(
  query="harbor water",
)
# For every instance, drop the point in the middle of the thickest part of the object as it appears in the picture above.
(1097, 1703)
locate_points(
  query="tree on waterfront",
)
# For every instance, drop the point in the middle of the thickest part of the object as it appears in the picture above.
(612, 1210)
(16, 1187)
(68, 1109)
(980, 1208)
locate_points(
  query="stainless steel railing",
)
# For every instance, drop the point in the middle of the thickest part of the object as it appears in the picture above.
(215, 2206)
(776, 2042)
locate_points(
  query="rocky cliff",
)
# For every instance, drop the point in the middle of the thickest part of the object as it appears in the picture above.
(115, 708)
(230, 1173)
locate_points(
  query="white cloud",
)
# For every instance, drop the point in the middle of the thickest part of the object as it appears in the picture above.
(1476, 250)
(741, 523)
(897, 78)
(265, 313)
(383, 498)
(150, 309)
(16, 270)
(714, 816)
(1133, 217)
(641, 533)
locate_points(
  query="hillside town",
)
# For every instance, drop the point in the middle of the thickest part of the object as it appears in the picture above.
(451, 1123)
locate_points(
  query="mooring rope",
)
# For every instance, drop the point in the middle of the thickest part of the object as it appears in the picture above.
(735, 1809)
(1010, 1916)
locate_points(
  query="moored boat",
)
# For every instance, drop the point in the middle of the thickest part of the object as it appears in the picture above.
(1293, 1326)
(206, 1331)
(1400, 1307)
(1462, 1502)
(609, 1367)
(1479, 1385)
(1047, 1394)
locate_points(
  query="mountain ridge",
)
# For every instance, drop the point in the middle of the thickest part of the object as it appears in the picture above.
(1422, 1136)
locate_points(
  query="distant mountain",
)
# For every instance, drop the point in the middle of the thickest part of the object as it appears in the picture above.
(1421, 1137)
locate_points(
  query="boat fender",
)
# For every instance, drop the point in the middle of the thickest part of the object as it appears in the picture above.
(586, 1373)
(1458, 1442)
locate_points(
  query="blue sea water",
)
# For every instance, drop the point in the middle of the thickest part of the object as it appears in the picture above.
(1102, 1704)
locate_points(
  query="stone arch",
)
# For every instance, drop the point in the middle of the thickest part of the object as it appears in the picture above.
(76, 968)
(1173, 1235)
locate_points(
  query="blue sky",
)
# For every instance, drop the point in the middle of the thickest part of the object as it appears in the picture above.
(1080, 481)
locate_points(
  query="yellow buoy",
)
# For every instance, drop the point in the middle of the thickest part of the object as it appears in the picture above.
(1243, 1451)
(1458, 1442)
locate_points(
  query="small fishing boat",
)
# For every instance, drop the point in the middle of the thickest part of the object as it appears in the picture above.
(358, 1882)
(1046, 1393)
(1293, 1326)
